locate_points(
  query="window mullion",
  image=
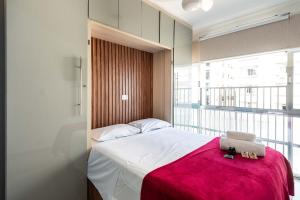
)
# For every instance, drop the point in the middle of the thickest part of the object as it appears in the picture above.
(289, 103)
(290, 81)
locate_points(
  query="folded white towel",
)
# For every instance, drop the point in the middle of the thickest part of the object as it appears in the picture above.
(241, 136)
(242, 146)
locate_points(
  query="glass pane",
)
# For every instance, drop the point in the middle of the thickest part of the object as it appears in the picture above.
(246, 71)
(296, 161)
(296, 131)
(297, 80)
(187, 97)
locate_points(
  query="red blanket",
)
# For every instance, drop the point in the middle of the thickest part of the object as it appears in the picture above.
(205, 174)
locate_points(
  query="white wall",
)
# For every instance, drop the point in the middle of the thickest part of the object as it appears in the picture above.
(275, 36)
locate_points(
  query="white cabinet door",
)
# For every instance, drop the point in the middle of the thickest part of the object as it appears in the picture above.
(130, 16)
(166, 30)
(104, 11)
(46, 134)
(182, 45)
(150, 23)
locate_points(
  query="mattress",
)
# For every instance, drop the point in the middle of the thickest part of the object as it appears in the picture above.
(117, 167)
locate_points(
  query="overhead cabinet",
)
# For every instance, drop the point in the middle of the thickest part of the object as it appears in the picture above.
(105, 11)
(130, 15)
(140, 19)
(166, 30)
(150, 23)
(182, 45)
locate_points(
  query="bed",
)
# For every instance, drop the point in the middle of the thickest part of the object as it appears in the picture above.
(117, 168)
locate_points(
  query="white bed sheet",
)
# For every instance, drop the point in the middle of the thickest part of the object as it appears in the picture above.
(117, 167)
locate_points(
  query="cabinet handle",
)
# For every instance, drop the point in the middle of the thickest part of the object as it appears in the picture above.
(80, 86)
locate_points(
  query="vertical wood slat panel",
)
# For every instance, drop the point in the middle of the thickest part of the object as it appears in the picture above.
(117, 87)
(123, 61)
(126, 81)
(93, 52)
(102, 85)
(140, 88)
(113, 82)
(118, 70)
(107, 73)
(110, 61)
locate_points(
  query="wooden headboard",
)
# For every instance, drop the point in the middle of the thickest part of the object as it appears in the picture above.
(119, 70)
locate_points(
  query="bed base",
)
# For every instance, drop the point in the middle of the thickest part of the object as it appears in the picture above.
(92, 192)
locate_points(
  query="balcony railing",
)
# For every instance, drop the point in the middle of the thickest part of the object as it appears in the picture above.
(259, 110)
(263, 97)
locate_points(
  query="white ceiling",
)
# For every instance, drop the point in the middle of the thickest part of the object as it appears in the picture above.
(223, 11)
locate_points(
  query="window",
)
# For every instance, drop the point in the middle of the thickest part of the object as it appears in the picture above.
(247, 94)
(251, 72)
(296, 99)
(249, 90)
(207, 75)
(247, 71)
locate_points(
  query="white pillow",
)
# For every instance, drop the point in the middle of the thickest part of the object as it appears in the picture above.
(113, 132)
(150, 124)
